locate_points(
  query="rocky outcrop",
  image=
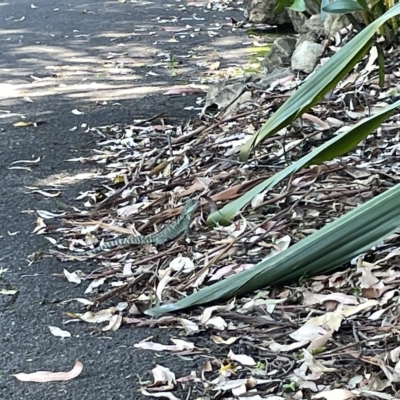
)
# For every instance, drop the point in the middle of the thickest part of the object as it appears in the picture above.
(300, 51)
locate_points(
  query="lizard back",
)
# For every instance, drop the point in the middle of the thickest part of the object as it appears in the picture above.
(176, 228)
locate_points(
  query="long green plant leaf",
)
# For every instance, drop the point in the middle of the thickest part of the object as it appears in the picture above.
(319, 83)
(319, 253)
(335, 147)
(295, 5)
(344, 7)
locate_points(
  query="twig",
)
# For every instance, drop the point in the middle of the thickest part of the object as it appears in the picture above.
(116, 291)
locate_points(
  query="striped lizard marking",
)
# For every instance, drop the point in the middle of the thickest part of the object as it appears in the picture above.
(170, 232)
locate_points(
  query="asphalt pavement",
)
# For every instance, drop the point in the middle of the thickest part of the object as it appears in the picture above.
(66, 67)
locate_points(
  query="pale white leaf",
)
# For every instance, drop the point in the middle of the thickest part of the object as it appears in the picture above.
(26, 161)
(314, 365)
(49, 215)
(189, 326)
(51, 240)
(217, 322)
(257, 200)
(77, 112)
(182, 264)
(241, 358)
(47, 376)
(163, 375)
(167, 395)
(8, 292)
(113, 324)
(335, 394)
(47, 194)
(220, 340)
(95, 284)
(58, 332)
(307, 332)
(287, 347)
(98, 317)
(183, 344)
(72, 277)
(207, 313)
(146, 345)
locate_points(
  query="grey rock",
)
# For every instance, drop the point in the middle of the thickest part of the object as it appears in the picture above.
(313, 25)
(334, 23)
(305, 56)
(297, 19)
(280, 53)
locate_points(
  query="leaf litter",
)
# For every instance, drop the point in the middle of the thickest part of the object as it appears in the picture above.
(332, 336)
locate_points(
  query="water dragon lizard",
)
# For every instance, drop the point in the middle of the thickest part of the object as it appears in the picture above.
(170, 232)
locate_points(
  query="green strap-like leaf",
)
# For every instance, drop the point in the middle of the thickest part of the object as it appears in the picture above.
(321, 252)
(335, 147)
(343, 7)
(319, 83)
